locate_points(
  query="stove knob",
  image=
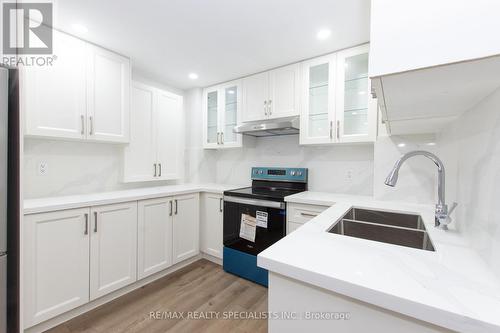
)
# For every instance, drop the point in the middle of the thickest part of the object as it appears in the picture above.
(299, 173)
(292, 173)
(261, 172)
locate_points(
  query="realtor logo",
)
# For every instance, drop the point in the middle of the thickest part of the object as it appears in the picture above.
(34, 28)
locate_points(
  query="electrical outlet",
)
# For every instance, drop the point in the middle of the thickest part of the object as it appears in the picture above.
(349, 175)
(42, 168)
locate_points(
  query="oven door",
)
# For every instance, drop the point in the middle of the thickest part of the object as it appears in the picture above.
(270, 216)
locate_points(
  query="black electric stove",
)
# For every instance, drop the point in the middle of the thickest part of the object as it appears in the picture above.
(255, 218)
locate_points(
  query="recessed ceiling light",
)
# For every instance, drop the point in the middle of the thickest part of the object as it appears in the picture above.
(79, 28)
(323, 34)
(431, 144)
(401, 145)
(193, 76)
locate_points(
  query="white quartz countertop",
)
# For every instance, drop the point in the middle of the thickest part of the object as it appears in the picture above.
(32, 206)
(451, 287)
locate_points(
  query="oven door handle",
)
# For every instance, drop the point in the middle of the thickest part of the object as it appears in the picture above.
(255, 202)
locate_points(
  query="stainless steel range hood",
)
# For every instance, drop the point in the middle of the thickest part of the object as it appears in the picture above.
(288, 126)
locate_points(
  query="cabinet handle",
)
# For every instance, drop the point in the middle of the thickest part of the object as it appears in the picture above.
(86, 232)
(175, 206)
(331, 129)
(308, 214)
(83, 124)
(220, 205)
(154, 165)
(270, 106)
(91, 126)
(218, 141)
(95, 221)
(170, 211)
(265, 108)
(338, 129)
(222, 138)
(159, 174)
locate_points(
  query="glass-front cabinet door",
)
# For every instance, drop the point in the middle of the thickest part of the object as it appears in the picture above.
(356, 111)
(318, 98)
(221, 113)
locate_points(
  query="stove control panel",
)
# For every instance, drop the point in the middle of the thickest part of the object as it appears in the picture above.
(280, 174)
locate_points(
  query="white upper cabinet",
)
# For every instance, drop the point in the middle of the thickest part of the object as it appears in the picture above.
(356, 110)
(108, 95)
(84, 95)
(318, 98)
(336, 104)
(54, 98)
(156, 146)
(283, 92)
(272, 94)
(427, 67)
(221, 113)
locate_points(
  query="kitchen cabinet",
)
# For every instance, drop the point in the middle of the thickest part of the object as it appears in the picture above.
(84, 95)
(108, 95)
(185, 226)
(221, 113)
(272, 94)
(427, 67)
(113, 248)
(54, 98)
(156, 146)
(154, 236)
(299, 214)
(56, 263)
(336, 104)
(211, 224)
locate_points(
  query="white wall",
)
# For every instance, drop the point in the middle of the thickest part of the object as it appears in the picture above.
(471, 150)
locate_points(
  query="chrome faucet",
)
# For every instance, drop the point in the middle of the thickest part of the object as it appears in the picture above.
(442, 216)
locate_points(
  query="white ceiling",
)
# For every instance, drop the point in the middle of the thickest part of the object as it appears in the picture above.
(218, 39)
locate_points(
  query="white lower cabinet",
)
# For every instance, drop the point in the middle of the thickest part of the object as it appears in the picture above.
(113, 248)
(186, 218)
(56, 263)
(299, 214)
(211, 224)
(154, 236)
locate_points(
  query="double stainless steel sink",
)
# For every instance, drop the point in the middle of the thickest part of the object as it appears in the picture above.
(382, 226)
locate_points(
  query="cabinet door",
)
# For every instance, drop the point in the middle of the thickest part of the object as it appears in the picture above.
(230, 114)
(318, 100)
(255, 97)
(140, 154)
(284, 88)
(113, 248)
(108, 96)
(56, 263)
(186, 227)
(54, 97)
(356, 111)
(211, 104)
(154, 236)
(211, 224)
(169, 142)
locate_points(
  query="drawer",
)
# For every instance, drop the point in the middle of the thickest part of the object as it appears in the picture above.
(299, 213)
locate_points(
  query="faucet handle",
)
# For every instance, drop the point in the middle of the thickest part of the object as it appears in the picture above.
(453, 206)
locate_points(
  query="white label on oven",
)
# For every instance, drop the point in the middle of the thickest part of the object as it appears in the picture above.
(248, 227)
(261, 218)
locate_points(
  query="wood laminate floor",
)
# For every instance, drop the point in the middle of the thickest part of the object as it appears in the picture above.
(201, 288)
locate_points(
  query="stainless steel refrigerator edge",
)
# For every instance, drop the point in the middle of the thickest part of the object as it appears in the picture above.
(4, 91)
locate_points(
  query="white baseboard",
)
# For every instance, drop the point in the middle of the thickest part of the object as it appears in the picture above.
(107, 298)
(211, 258)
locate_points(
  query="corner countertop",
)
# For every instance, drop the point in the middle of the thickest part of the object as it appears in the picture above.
(32, 206)
(451, 287)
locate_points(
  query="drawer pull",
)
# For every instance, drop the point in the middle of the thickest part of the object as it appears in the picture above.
(308, 214)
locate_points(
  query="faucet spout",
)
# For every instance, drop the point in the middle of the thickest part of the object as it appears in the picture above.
(441, 219)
